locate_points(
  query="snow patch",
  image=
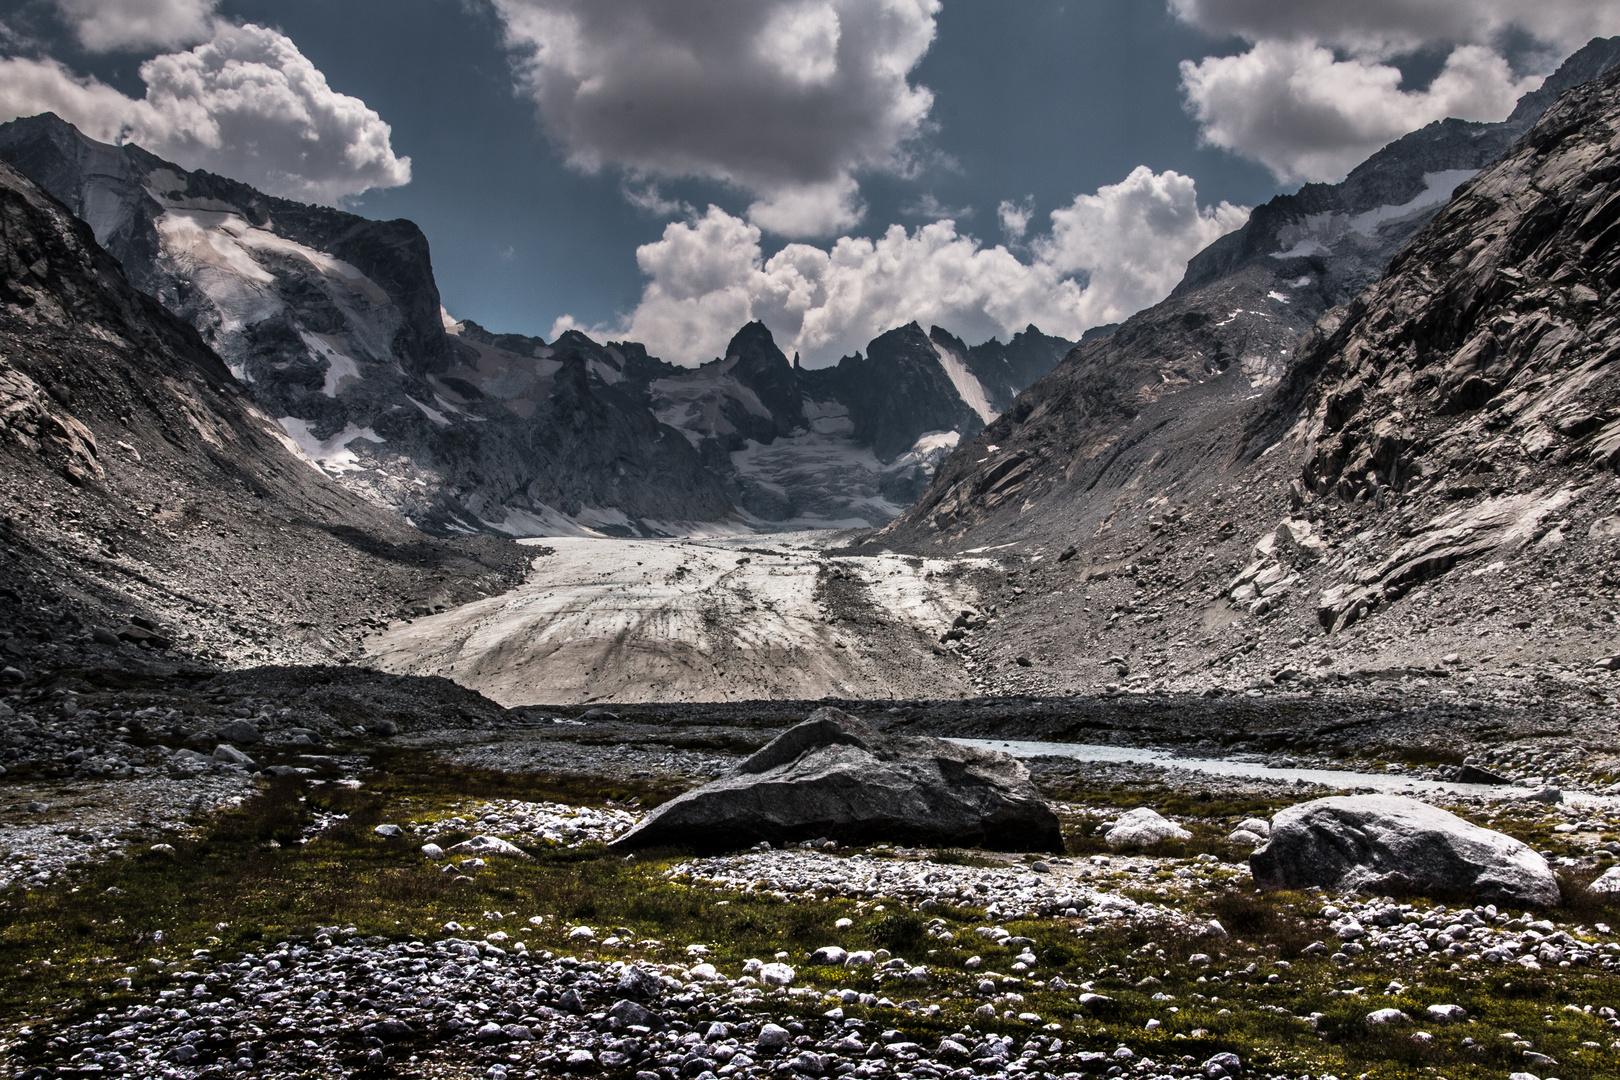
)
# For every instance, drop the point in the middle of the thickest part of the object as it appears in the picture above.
(331, 455)
(430, 412)
(341, 368)
(1321, 231)
(966, 383)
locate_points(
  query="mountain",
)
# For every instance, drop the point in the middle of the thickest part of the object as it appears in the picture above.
(334, 325)
(1165, 386)
(145, 498)
(333, 322)
(1252, 441)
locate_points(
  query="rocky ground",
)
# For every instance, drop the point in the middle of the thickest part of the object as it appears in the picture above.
(341, 931)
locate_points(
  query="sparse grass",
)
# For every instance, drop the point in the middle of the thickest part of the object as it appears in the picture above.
(61, 948)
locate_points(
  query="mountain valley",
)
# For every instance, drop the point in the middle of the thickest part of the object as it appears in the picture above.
(339, 637)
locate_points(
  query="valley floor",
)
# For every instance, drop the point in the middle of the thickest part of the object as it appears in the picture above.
(302, 930)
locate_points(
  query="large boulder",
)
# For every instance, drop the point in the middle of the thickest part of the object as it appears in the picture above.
(1391, 844)
(837, 777)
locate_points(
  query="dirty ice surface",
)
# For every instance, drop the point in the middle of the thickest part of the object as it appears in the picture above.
(604, 620)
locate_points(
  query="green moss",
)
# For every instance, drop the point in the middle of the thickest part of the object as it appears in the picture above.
(242, 879)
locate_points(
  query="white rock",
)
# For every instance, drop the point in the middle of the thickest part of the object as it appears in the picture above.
(432, 851)
(772, 1037)
(1607, 882)
(1244, 836)
(1258, 826)
(388, 830)
(776, 975)
(582, 933)
(1447, 1014)
(1145, 825)
(488, 845)
(829, 955)
(1388, 1016)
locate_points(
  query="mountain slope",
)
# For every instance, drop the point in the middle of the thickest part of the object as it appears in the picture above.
(1219, 524)
(1482, 373)
(137, 480)
(1160, 393)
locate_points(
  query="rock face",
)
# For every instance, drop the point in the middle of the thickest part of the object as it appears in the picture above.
(1487, 350)
(1161, 389)
(1391, 844)
(837, 777)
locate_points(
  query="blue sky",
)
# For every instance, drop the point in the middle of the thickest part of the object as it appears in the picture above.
(1044, 161)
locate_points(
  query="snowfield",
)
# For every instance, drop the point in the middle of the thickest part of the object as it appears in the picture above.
(602, 620)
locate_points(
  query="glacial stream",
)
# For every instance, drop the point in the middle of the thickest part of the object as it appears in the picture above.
(1390, 783)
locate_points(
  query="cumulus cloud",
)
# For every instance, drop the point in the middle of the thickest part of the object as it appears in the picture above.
(786, 100)
(1305, 115)
(1106, 256)
(1391, 27)
(108, 25)
(1315, 93)
(246, 104)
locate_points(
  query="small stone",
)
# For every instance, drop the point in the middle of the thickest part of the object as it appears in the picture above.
(772, 1037)
(388, 830)
(1388, 1016)
(432, 851)
(1447, 1014)
(776, 975)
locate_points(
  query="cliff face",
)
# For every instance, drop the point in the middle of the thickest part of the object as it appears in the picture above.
(332, 323)
(1480, 372)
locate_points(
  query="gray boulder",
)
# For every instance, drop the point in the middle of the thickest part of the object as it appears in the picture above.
(238, 731)
(1389, 844)
(232, 756)
(835, 776)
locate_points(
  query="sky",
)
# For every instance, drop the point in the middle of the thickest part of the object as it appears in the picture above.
(666, 170)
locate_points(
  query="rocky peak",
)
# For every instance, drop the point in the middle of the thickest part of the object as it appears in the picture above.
(901, 390)
(764, 369)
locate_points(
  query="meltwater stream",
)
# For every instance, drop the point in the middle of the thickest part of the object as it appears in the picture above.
(1392, 783)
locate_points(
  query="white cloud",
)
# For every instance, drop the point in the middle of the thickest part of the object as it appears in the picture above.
(108, 25)
(786, 100)
(1305, 115)
(1385, 28)
(1015, 217)
(1108, 255)
(246, 104)
(1134, 239)
(1315, 93)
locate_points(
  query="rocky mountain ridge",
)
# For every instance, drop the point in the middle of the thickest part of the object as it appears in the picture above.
(334, 324)
(1214, 496)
